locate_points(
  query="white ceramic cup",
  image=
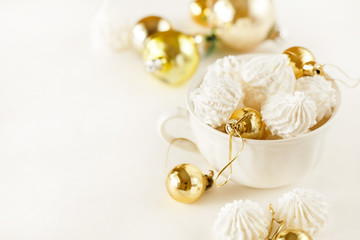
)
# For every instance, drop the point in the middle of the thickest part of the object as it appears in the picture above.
(262, 163)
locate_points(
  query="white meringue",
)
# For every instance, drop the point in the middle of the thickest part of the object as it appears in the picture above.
(215, 101)
(321, 92)
(220, 92)
(265, 76)
(109, 31)
(241, 220)
(289, 115)
(304, 209)
(226, 66)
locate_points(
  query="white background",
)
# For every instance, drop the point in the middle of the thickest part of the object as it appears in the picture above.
(80, 157)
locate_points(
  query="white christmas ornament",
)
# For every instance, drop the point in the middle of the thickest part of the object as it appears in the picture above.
(304, 209)
(241, 220)
(109, 30)
(321, 92)
(265, 76)
(220, 93)
(289, 115)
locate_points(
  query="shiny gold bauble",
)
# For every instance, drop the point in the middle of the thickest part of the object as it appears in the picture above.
(298, 58)
(171, 56)
(292, 234)
(243, 24)
(200, 11)
(145, 28)
(186, 183)
(251, 126)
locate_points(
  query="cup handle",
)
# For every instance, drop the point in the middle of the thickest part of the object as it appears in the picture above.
(172, 114)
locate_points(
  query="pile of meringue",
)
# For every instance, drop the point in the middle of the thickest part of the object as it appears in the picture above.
(303, 209)
(289, 107)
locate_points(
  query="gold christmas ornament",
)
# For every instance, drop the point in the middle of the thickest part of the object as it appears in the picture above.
(200, 11)
(145, 28)
(303, 62)
(292, 234)
(171, 56)
(186, 183)
(287, 233)
(243, 24)
(247, 123)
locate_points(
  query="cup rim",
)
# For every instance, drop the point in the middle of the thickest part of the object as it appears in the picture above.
(197, 81)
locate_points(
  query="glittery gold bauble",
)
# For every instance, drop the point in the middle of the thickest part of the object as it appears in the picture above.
(251, 124)
(292, 234)
(298, 58)
(200, 11)
(243, 24)
(171, 56)
(145, 28)
(186, 183)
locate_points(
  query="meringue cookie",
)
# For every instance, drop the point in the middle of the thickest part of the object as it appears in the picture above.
(109, 31)
(226, 66)
(215, 100)
(241, 220)
(321, 92)
(220, 93)
(304, 209)
(265, 76)
(289, 115)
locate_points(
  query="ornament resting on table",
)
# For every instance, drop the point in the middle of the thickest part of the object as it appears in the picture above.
(241, 220)
(169, 55)
(289, 115)
(241, 25)
(301, 213)
(186, 183)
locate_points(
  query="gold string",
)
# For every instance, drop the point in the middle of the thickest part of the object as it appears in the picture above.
(231, 160)
(281, 222)
(357, 81)
(186, 140)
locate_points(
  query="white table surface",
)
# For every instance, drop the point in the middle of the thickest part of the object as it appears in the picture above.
(80, 157)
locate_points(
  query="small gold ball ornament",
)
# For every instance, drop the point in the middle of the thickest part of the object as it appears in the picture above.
(145, 27)
(200, 11)
(302, 62)
(171, 56)
(186, 183)
(247, 122)
(292, 234)
(243, 24)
